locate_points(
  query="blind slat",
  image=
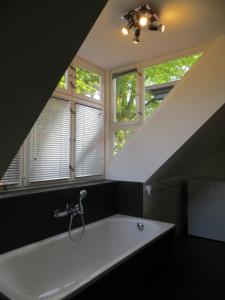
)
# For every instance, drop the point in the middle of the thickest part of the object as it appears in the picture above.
(49, 143)
(89, 150)
(12, 175)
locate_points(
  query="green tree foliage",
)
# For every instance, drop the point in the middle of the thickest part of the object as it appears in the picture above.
(121, 137)
(62, 83)
(165, 73)
(87, 83)
(126, 97)
(170, 71)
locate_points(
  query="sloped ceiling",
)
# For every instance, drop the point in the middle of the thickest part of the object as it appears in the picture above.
(189, 23)
(38, 40)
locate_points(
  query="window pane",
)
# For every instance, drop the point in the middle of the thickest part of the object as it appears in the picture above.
(49, 143)
(126, 93)
(89, 150)
(170, 71)
(154, 96)
(63, 83)
(87, 83)
(121, 137)
(12, 175)
(160, 79)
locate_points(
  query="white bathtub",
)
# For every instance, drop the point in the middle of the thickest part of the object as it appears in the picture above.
(54, 268)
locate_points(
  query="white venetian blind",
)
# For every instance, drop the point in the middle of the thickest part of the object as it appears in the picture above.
(49, 143)
(89, 149)
(12, 175)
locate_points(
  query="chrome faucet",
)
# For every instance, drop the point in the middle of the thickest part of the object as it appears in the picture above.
(72, 209)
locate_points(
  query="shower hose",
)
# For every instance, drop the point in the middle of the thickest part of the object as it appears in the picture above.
(70, 227)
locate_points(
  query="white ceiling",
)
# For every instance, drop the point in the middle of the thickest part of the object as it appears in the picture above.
(189, 23)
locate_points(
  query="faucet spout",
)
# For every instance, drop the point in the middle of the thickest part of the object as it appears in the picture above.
(60, 213)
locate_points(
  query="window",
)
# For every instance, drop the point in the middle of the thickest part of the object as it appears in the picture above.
(12, 175)
(126, 107)
(48, 146)
(154, 96)
(125, 86)
(66, 142)
(154, 82)
(87, 83)
(89, 153)
(160, 79)
(121, 137)
(63, 83)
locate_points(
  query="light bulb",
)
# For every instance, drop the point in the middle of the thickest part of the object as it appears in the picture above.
(143, 21)
(162, 28)
(124, 31)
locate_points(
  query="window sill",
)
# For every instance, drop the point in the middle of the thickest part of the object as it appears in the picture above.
(43, 189)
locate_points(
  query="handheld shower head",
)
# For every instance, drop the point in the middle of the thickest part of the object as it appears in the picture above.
(83, 195)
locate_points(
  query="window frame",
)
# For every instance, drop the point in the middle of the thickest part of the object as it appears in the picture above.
(68, 95)
(77, 61)
(138, 101)
(113, 126)
(62, 91)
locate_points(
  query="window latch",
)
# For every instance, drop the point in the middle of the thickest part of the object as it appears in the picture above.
(72, 111)
(71, 168)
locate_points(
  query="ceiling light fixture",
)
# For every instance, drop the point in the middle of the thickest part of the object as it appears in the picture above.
(125, 31)
(143, 21)
(136, 38)
(139, 18)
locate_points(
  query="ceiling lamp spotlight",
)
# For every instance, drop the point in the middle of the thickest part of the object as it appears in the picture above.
(125, 29)
(162, 27)
(143, 21)
(143, 15)
(139, 18)
(136, 38)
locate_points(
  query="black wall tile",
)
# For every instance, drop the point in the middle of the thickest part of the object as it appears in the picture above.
(29, 218)
(130, 198)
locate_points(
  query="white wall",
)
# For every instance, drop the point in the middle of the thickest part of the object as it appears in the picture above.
(190, 104)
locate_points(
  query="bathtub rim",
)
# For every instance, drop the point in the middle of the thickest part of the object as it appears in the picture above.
(94, 277)
(59, 236)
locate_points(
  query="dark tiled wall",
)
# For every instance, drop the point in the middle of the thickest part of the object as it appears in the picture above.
(129, 198)
(28, 218)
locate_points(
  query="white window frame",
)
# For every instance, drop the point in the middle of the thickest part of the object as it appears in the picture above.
(65, 95)
(138, 102)
(77, 61)
(113, 126)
